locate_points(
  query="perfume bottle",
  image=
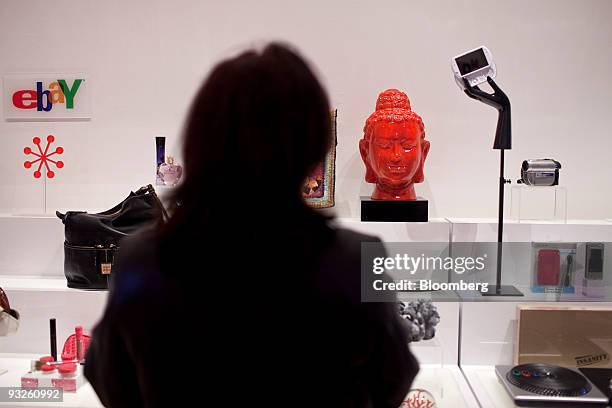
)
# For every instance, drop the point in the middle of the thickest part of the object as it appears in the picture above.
(160, 153)
(169, 172)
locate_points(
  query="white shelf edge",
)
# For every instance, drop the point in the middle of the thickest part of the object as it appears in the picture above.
(36, 284)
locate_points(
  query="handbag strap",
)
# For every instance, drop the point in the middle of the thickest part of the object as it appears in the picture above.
(148, 189)
(4, 302)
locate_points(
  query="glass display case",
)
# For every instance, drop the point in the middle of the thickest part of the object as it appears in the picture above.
(542, 203)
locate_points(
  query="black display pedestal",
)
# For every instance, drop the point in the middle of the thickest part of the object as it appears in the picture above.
(394, 210)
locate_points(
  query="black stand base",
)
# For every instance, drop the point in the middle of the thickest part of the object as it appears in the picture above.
(394, 210)
(504, 290)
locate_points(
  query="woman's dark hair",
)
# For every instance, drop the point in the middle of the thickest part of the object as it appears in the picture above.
(257, 126)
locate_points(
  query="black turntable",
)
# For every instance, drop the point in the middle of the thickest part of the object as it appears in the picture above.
(549, 385)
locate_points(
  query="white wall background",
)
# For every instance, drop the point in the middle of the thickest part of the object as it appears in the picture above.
(146, 58)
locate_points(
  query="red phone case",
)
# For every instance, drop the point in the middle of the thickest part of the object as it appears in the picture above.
(549, 265)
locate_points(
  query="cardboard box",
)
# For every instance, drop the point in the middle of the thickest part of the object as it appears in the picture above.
(568, 336)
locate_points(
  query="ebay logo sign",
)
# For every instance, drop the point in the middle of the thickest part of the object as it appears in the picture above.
(40, 97)
(44, 99)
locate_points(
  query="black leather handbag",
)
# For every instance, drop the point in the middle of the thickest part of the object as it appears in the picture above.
(92, 240)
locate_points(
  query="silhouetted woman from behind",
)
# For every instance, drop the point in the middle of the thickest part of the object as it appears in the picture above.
(247, 296)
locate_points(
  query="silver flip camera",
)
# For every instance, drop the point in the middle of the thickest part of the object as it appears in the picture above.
(540, 172)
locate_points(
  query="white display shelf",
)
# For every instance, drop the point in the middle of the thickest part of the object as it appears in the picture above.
(485, 220)
(486, 386)
(13, 282)
(436, 230)
(33, 245)
(485, 230)
(529, 296)
(447, 384)
(40, 298)
(19, 364)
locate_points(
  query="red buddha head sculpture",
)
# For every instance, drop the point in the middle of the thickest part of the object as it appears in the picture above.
(393, 147)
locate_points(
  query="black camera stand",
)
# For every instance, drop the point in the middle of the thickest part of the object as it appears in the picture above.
(503, 140)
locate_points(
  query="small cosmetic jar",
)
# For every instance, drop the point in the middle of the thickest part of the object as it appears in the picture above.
(67, 370)
(46, 359)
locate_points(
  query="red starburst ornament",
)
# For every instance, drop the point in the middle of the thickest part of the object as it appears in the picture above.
(43, 157)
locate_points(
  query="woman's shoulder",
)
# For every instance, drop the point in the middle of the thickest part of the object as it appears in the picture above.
(341, 264)
(351, 243)
(137, 264)
(139, 248)
(349, 236)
